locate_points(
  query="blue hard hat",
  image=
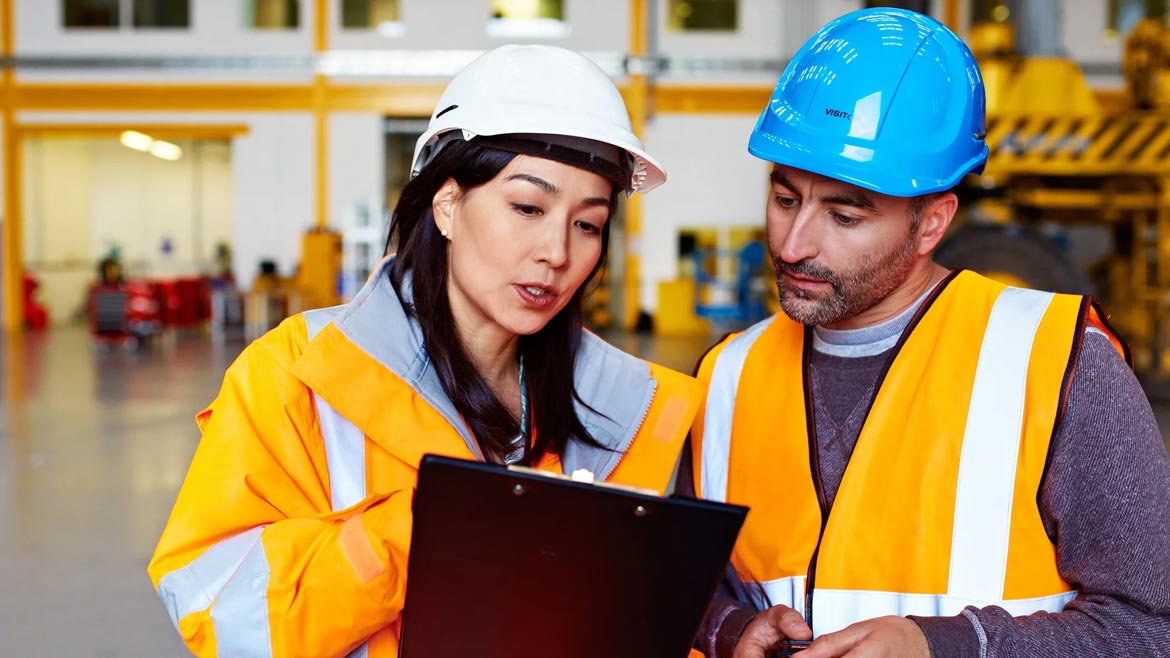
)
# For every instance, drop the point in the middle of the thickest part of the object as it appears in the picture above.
(885, 99)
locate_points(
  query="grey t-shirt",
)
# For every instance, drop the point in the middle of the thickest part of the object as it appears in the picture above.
(1105, 501)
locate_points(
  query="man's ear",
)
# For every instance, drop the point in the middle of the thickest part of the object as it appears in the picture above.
(443, 206)
(936, 219)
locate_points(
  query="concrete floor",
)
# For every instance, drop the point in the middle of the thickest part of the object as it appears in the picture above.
(93, 448)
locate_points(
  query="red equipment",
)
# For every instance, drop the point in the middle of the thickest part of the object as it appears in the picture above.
(36, 316)
(124, 314)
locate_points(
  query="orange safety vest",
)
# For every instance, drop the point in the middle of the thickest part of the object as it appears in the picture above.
(937, 508)
(291, 533)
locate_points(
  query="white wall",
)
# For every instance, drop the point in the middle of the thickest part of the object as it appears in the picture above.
(712, 181)
(275, 192)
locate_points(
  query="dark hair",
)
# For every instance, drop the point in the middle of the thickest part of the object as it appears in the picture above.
(550, 354)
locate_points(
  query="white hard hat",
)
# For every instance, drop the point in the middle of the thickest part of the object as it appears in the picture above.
(532, 91)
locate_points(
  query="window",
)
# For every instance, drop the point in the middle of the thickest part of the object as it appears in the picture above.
(920, 6)
(272, 14)
(1125, 14)
(401, 135)
(162, 13)
(527, 18)
(127, 13)
(703, 15)
(91, 13)
(368, 14)
(990, 11)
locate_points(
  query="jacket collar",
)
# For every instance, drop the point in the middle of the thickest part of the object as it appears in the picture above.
(358, 363)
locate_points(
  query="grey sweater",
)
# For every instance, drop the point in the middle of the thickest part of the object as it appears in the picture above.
(1105, 500)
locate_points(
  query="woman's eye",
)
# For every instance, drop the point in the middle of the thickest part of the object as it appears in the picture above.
(591, 229)
(526, 210)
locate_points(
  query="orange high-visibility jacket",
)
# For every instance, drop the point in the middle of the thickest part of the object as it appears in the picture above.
(290, 534)
(938, 507)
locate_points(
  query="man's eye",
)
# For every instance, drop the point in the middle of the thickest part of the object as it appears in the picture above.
(844, 220)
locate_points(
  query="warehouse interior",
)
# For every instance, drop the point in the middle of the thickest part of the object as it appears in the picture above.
(179, 176)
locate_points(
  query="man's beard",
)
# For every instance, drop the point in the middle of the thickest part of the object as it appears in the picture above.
(853, 291)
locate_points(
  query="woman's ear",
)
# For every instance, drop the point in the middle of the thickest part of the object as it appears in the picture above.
(443, 207)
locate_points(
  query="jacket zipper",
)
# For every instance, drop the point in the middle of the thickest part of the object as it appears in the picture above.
(818, 484)
(641, 421)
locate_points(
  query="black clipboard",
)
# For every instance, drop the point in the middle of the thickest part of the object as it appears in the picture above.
(509, 563)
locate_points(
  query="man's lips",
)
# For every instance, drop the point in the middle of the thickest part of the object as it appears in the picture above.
(804, 280)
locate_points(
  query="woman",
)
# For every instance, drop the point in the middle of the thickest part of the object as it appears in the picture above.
(291, 532)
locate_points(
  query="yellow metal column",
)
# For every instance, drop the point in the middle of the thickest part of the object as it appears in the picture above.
(321, 247)
(13, 258)
(637, 96)
(321, 115)
(950, 16)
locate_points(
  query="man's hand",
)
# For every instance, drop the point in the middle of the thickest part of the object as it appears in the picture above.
(883, 637)
(768, 629)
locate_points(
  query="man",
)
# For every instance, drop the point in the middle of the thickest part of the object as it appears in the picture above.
(937, 465)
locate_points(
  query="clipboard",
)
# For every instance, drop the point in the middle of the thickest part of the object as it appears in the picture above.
(509, 563)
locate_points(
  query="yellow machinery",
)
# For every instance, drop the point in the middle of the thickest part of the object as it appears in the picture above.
(1059, 159)
(320, 269)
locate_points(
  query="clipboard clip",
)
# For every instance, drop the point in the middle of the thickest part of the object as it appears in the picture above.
(582, 476)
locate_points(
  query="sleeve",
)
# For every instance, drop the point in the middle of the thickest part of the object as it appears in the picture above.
(1106, 502)
(253, 561)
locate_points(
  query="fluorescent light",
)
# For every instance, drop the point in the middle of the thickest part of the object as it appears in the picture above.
(136, 140)
(165, 150)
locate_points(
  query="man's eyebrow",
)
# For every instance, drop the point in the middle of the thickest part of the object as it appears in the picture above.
(780, 179)
(537, 181)
(851, 199)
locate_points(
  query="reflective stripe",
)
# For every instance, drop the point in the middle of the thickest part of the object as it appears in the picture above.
(991, 447)
(721, 410)
(345, 455)
(783, 591)
(836, 609)
(195, 586)
(240, 613)
(345, 447)
(345, 444)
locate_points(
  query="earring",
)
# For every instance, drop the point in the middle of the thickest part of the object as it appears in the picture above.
(443, 232)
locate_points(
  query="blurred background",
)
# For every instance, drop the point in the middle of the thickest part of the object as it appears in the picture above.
(180, 175)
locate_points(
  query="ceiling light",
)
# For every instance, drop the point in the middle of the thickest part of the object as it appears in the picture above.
(136, 140)
(165, 150)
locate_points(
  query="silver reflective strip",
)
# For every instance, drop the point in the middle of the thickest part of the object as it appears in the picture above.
(836, 609)
(345, 444)
(721, 410)
(345, 455)
(991, 446)
(195, 586)
(360, 652)
(240, 614)
(784, 591)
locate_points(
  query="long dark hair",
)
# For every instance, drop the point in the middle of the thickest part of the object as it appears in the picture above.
(549, 354)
